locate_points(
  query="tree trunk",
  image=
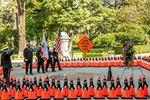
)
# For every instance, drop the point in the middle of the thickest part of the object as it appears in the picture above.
(22, 40)
(70, 43)
(21, 27)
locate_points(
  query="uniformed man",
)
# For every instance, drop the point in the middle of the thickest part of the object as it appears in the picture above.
(28, 58)
(40, 60)
(6, 63)
(49, 61)
(55, 57)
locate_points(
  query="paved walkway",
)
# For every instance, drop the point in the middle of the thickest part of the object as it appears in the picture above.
(95, 72)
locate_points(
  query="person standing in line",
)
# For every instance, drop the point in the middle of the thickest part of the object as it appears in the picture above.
(49, 61)
(6, 63)
(40, 60)
(55, 57)
(28, 58)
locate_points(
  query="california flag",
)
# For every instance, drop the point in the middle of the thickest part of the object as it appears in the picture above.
(44, 48)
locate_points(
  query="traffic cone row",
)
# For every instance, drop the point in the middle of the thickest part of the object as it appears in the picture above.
(97, 62)
(43, 90)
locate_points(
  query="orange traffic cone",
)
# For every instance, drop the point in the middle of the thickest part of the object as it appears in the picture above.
(40, 87)
(53, 87)
(35, 86)
(48, 84)
(45, 92)
(5, 93)
(23, 85)
(145, 85)
(58, 94)
(31, 92)
(112, 93)
(65, 87)
(18, 94)
(72, 94)
(91, 87)
(13, 91)
(105, 89)
(78, 87)
(118, 86)
(99, 91)
(139, 94)
(1, 85)
(85, 93)
(140, 90)
(126, 92)
(26, 86)
(131, 86)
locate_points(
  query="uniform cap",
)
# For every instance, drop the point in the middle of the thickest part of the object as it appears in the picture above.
(5, 48)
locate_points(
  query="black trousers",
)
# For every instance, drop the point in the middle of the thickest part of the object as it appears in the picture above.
(47, 64)
(6, 73)
(39, 65)
(56, 60)
(27, 65)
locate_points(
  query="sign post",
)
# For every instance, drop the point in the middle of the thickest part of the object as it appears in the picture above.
(85, 45)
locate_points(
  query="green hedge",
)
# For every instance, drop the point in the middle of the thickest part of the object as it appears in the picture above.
(142, 49)
(118, 49)
(88, 55)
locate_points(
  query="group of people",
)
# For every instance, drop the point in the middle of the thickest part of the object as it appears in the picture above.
(28, 59)
(52, 59)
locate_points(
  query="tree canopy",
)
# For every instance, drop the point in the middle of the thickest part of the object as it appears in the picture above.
(103, 20)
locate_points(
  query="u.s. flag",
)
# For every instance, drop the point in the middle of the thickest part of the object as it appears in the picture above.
(57, 45)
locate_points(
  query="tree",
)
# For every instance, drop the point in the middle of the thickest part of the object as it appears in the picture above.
(105, 40)
(21, 27)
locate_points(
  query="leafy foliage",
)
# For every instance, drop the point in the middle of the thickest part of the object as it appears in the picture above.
(6, 35)
(139, 33)
(129, 54)
(105, 40)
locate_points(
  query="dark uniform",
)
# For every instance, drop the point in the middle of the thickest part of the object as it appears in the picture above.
(28, 56)
(6, 63)
(55, 57)
(40, 61)
(49, 61)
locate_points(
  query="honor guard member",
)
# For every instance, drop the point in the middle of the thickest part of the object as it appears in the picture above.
(55, 57)
(28, 57)
(49, 61)
(40, 60)
(6, 63)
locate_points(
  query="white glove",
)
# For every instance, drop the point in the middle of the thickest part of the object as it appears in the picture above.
(26, 60)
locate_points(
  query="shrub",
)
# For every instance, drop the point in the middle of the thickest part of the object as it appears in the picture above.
(105, 40)
(89, 55)
(118, 49)
(142, 49)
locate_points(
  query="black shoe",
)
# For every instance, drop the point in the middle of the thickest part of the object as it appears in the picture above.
(46, 70)
(60, 69)
(38, 71)
(43, 72)
(31, 74)
(26, 73)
